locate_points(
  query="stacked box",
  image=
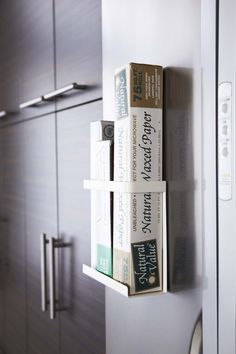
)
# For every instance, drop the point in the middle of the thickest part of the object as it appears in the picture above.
(102, 133)
(137, 238)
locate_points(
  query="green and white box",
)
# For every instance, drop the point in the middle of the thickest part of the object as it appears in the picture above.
(138, 227)
(102, 133)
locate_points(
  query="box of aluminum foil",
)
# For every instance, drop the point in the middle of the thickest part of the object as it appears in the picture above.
(102, 133)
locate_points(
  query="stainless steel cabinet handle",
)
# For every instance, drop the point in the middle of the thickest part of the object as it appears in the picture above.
(56, 93)
(50, 95)
(53, 244)
(43, 243)
(52, 277)
(196, 342)
(3, 114)
(31, 103)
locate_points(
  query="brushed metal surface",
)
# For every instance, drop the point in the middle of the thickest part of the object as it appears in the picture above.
(43, 264)
(52, 282)
(227, 208)
(196, 343)
(209, 211)
(166, 33)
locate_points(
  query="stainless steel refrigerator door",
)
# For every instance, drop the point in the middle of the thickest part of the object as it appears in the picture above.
(169, 33)
(226, 176)
(209, 210)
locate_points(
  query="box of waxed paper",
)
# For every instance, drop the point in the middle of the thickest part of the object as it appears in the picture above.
(138, 226)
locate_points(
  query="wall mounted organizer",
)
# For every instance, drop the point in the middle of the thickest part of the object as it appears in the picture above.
(129, 187)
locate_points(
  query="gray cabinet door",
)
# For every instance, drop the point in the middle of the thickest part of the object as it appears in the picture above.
(41, 217)
(26, 56)
(83, 322)
(2, 249)
(46, 47)
(14, 286)
(36, 51)
(9, 55)
(78, 49)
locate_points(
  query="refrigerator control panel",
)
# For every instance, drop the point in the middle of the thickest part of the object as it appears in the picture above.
(225, 140)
